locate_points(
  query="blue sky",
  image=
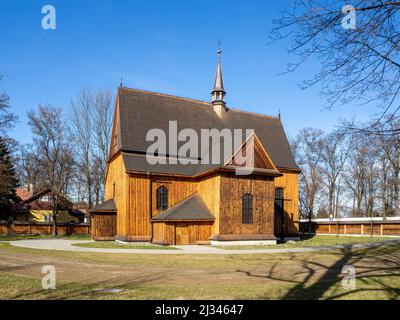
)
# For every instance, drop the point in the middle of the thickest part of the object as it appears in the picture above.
(165, 46)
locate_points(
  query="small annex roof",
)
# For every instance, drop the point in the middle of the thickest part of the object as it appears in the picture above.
(190, 209)
(106, 206)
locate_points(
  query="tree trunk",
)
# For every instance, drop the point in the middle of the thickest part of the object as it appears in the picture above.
(396, 189)
(54, 225)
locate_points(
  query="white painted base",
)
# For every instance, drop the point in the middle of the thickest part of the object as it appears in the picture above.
(243, 243)
(353, 235)
(131, 243)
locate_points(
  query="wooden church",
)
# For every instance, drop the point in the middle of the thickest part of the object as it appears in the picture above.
(196, 202)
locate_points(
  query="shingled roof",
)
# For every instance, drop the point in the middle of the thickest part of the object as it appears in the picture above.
(191, 209)
(141, 111)
(106, 207)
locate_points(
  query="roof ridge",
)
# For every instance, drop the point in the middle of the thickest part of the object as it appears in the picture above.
(254, 113)
(198, 101)
(165, 95)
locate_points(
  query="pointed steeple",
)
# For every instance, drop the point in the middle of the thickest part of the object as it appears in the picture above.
(218, 93)
(219, 83)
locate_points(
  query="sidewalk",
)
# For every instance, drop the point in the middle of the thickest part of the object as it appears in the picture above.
(66, 245)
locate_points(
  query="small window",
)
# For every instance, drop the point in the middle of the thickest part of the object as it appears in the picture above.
(247, 209)
(162, 198)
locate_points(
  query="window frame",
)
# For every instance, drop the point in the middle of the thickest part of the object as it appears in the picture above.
(247, 208)
(162, 198)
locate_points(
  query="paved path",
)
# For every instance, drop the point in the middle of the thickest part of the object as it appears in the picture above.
(66, 245)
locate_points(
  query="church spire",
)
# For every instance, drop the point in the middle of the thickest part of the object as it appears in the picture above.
(218, 93)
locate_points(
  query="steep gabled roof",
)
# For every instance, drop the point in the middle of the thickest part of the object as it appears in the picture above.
(190, 209)
(141, 111)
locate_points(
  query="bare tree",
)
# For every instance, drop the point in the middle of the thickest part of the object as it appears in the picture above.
(90, 131)
(102, 123)
(55, 156)
(334, 154)
(360, 65)
(81, 136)
(28, 169)
(307, 151)
(7, 118)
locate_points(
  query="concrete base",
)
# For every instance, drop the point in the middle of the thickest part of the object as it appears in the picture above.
(244, 243)
(292, 239)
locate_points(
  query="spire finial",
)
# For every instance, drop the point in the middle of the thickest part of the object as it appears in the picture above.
(279, 114)
(121, 83)
(219, 83)
(218, 93)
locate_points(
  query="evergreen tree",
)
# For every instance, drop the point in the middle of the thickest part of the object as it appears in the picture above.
(8, 180)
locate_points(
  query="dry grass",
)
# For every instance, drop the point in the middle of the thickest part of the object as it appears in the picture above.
(315, 241)
(256, 276)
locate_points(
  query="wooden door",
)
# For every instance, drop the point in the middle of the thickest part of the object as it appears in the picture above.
(182, 234)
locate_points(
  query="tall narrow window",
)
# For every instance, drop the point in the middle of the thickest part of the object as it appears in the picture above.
(162, 198)
(279, 213)
(247, 208)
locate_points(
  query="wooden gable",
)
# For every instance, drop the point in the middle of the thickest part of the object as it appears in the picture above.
(115, 142)
(258, 159)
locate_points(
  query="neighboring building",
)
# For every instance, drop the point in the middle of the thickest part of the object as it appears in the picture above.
(39, 208)
(195, 203)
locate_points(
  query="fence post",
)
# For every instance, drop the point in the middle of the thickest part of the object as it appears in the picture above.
(382, 229)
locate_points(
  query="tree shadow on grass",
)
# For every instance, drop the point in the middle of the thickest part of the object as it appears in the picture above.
(321, 280)
(106, 289)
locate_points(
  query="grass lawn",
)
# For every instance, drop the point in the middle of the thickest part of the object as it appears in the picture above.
(115, 245)
(315, 275)
(314, 241)
(28, 237)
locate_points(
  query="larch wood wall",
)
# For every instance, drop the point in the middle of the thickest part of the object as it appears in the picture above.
(103, 226)
(117, 189)
(178, 189)
(209, 190)
(221, 193)
(233, 187)
(290, 183)
(182, 233)
(137, 213)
